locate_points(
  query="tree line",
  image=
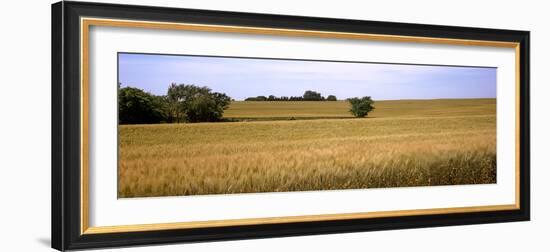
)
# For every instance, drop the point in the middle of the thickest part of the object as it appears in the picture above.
(308, 96)
(190, 103)
(182, 103)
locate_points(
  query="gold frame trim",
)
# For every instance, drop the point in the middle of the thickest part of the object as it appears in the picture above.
(85, 24)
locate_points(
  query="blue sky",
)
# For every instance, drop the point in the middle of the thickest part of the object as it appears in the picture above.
(244, 77)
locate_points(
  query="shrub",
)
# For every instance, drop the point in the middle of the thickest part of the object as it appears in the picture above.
(360, 107)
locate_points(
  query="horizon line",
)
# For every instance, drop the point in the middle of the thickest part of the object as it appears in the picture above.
(441, 98)
(406, 99)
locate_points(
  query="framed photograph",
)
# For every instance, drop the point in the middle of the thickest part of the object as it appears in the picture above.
(181, 125)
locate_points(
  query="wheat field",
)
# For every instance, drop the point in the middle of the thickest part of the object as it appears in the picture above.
(403, 143)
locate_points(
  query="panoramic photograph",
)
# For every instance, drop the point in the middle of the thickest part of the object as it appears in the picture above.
(198, 125)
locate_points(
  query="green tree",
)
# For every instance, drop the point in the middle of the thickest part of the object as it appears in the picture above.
(196, 104)
(331, 98)
(137, 107)
(360, 107)
(178, 99)
(312, 96)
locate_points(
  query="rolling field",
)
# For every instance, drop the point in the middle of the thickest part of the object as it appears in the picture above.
(402, 143)
(283, 110)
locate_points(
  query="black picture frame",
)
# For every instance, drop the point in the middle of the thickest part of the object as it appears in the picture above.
(66, 114)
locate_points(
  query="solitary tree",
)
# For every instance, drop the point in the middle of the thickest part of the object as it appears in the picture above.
(331, 98)
(360, 107)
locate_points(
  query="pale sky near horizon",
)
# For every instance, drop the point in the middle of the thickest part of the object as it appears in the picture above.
(240, 78)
